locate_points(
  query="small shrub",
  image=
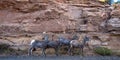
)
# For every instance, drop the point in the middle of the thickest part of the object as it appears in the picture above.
(63, 50)
(4, 48)
(103, 51)
(116, 52)
(76, 51)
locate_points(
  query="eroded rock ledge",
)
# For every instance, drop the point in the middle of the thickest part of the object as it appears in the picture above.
(24, 20)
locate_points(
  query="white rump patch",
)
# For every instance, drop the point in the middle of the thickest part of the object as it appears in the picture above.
(71, 42)
(44, 32)
(32, 42)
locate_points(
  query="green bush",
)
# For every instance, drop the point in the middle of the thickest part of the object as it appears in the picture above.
(103, 51)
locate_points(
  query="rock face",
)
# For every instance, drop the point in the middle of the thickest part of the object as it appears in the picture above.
(24, 20)
(114, 23)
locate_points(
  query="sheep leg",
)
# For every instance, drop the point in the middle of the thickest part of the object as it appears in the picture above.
(56, 51)
(30, 51)
(82, 51)
(70, 50)
(43, 52)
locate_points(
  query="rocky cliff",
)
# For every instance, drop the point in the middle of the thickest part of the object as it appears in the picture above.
(24, 20)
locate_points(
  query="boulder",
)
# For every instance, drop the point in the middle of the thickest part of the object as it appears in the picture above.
(95, 43)
(45, 26)
(104, 37)
(4, 41)
(83, 28)
(73, 12)
(115, 13)
(39, 1)
(94, 18)
(104, 44)
(37, 37)
(113, 24)
(7, 29)
(6, 4)
(22, 0)
(29, 7)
